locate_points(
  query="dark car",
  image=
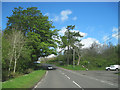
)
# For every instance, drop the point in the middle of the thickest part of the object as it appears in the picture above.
(47, 66)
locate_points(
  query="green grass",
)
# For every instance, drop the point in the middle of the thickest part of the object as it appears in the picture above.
(70, 67)
(25, 81)
(96, 68)
(0, 85)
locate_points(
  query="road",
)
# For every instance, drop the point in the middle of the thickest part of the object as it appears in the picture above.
(62, 78)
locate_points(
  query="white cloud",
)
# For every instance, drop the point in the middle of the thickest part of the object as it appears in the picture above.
(63, 30)
(105, 38)
(115, 29)
(81, 33)
(64, 14)
(74, 18)
(116, 33)
(88, 41)
(59, 49)
(51, 56)
(47, 14)
(56, 18)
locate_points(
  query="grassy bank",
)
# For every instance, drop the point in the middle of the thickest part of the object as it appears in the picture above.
(70, 67)
(96, 68)
(25, 81)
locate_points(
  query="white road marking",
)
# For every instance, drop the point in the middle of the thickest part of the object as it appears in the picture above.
(40, 81)
(109, 83)
(102, 81)
(77, 84)
(67, 77)
(35, 87)
(46, 73)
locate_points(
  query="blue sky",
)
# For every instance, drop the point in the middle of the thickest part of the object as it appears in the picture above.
(95, 20)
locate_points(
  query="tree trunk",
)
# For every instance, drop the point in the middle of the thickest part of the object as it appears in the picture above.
(14, 53)
(68, 56)
(15, 66)
(73, 57)
(78, 60)
(10, 62)
(15, 62)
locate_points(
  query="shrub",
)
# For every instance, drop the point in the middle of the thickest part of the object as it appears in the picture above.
(5, 75)
(27, 71)
(14, 75)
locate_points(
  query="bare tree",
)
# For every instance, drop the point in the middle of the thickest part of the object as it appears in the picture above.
(17, 42)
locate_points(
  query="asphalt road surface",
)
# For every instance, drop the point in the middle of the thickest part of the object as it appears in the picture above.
(62, 78)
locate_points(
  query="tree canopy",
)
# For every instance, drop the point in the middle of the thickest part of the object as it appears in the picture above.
(28, 36)
(36, 27)
(70, 40)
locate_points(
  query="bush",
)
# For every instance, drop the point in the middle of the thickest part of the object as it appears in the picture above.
(5, 75)
(27, 71)
(14, 75)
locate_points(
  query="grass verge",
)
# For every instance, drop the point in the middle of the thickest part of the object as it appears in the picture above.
(70, 67)
(25, 81)
(95, 68)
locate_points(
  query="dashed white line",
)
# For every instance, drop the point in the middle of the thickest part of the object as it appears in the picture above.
(102, 81)
(112, 84)
(67, 77)
(109, 83)
(77, 84)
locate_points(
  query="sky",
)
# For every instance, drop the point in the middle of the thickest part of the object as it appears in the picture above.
(96, 21)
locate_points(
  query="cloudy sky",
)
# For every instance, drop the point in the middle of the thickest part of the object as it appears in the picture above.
(96, 21)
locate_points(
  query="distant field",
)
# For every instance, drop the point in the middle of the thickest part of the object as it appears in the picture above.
(26, 81)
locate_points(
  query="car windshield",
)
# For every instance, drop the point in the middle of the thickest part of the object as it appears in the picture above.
(112, 66)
